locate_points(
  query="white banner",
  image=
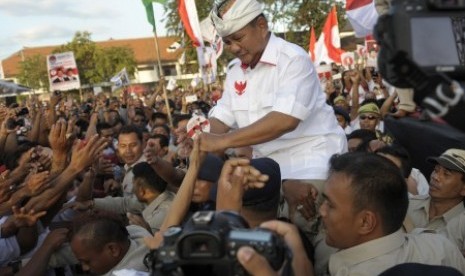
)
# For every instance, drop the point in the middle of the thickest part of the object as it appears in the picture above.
(62, 72)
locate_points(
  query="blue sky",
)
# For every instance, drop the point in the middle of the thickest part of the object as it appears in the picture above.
(30, 23)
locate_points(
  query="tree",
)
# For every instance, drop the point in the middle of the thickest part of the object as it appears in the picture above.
(296, 16)
(97, 64)
(33, 72)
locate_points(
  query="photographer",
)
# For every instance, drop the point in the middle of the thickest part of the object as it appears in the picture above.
(257, 265)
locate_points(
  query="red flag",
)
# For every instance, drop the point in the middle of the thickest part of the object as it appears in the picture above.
(362, 16)
(328, 46)
(188, 13)
(311, 46)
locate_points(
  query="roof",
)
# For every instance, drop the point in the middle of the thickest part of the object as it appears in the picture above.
(144, 52)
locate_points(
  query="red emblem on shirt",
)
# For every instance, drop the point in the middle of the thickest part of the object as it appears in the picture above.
(240, 87)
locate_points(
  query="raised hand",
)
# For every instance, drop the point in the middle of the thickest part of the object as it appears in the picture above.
(23, 218)
(36, 183)
(236, 177)
(84, 153)
(151, 151)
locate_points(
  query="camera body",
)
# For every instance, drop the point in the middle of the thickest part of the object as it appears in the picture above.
(212, 239)
(429, 32)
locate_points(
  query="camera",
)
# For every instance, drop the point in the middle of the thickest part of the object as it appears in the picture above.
(422, 46)
(209, 241)
(428, 32)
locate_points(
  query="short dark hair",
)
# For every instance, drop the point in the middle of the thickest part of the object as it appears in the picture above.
(165, 127)
(100, 228)
(181, 117)
(376, 184)
(162, 140)
(402, 154)
(149, 177)
(132, 129)
(102, 125)
(363, 134)
(159, 115)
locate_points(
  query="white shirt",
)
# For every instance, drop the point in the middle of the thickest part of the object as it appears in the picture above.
(285, 81)
(9, 248)
(375, 256)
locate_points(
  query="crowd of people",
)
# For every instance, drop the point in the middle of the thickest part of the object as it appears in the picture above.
(90, 187)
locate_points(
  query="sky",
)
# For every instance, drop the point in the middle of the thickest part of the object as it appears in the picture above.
(32, 23)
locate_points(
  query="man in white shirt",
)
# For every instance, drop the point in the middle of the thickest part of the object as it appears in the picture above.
(272, 101)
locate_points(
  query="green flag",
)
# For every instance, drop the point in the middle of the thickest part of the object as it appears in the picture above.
(149, 9)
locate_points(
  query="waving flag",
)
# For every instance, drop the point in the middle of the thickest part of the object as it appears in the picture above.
(311, 46)
(362, 16)
(328, 46)
(188, 13)
(149, 10)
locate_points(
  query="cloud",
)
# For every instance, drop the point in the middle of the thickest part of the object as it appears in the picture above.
(43, 32)
(74, 9)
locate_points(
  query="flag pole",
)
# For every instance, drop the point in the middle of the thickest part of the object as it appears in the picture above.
(160, 73)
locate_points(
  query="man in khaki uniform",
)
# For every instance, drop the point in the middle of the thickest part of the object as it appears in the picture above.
(446, 194)
(365, 202)
(151, 200)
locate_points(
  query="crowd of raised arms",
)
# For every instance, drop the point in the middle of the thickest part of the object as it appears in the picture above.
(89, 186)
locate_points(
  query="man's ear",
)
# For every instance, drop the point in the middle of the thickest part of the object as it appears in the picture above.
(113, 248)
(368, 222)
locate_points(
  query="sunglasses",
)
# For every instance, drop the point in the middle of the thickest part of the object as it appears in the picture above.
(369, 117)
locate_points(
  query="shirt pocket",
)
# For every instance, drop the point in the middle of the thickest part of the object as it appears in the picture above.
(240, 104)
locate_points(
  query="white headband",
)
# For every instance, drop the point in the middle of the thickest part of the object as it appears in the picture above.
(241, 13)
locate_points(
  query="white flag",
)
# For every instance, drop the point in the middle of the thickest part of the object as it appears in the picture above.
(171, 84)
(121, 78)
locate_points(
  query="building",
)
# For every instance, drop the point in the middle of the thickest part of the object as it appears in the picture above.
(144, 52)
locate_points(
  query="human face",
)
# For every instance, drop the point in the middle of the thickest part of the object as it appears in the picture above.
(337, 211)
(248, 43)
(136, 189)
(201, 191)
(446, 184)
(341, 121)
(181, 131)
(129, 148)
(353, 143)
(95, 261)
(139, 121)
(108, 134)
(160, 130)
(369, 121)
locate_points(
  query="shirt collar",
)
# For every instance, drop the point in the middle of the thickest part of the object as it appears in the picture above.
(347, 258)
(270, 55)
(128, 168)
(166, 195)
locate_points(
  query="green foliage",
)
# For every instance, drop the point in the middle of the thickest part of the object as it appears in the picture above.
(33, 72)
(297, 17)
(97, 64)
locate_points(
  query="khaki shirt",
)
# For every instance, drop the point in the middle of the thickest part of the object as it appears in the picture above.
(374, 257)
(153, 214)
(132, 260)
(128, 177)
(418, 212)
(455, 231)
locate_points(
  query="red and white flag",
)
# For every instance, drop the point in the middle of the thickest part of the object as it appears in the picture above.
(328, 46)
(311, 45)
(362, 16)
(188, 13)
